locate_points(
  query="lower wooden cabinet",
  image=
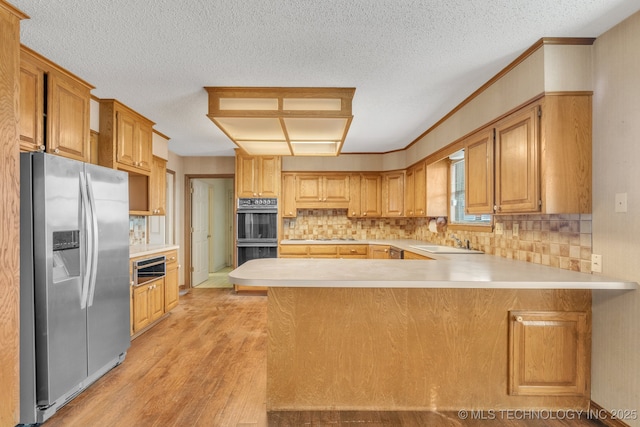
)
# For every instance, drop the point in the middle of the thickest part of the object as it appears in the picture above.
(171, 286)
(413, 255)
(549, 353)
(151, 301)
(323, 251)
(379, 251)
(148, 304)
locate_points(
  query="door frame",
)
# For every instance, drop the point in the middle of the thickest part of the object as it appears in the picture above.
(187, 219)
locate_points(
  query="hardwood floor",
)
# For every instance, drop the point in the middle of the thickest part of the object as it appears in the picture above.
(205, 365)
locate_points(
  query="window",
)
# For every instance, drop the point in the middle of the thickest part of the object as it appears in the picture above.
(457, 213)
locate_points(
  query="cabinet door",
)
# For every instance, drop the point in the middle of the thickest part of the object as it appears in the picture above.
(353, 209)
(126, 150)
(67, 118)
(517, 186)
(371, 195)
(156, 300)
(158, 186)
(437, 188)
(288, 208)
(420, 190)
(409, 192)
(335, 188)
(268, 176)
(378, 252)
(393, 194)
(246, 175)
(144, 137)
(31, 107)
(309, 189)
(141, 313)
(171, 290)
(549, 353)
(478, 158)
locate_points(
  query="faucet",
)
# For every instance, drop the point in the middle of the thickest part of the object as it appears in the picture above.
(459, 243)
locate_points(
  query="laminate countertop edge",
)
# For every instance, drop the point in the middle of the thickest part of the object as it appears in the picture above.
(143, 250)
(457, 271)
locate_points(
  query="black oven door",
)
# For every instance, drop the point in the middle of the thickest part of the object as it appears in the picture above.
(257, 225)
(249, 252)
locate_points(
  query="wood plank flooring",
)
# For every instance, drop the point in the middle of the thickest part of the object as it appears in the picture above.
(205, 365)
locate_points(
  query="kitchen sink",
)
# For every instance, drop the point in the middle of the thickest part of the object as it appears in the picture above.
(439, 249)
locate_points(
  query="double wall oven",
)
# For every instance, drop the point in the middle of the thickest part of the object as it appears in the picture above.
(256, 229)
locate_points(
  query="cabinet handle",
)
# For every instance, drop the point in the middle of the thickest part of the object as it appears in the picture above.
(352, 250)
(364, 214)
(517, 318)
(57, 151)
(319, 199)
(42, 148)
(353, 213)
(260, 194)
(290, 213)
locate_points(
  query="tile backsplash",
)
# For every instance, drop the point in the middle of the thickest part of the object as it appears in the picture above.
(562, 241)
(137, 230)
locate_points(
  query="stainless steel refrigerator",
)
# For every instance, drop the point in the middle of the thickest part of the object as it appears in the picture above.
(74, 279)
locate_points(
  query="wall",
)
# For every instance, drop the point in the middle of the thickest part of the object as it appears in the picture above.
(616, 150)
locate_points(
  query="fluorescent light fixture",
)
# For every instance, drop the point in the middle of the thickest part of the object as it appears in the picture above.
(283, 121)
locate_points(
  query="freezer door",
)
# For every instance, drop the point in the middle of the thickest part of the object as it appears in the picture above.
(60, 319)
(108, 300)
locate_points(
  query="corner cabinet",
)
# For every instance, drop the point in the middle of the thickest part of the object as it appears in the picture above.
(54, 108)
(257, 176)
(538, 161)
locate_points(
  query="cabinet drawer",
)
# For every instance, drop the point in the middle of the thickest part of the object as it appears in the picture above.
(172, 257)
(353, 250)
(413, 255)
(323, 250)
(293, 251)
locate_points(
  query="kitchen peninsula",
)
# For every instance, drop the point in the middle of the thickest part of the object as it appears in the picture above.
(454, 332)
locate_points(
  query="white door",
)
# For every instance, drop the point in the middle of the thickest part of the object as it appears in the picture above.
(199, 232)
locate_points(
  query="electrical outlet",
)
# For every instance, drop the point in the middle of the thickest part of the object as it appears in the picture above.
(596, 263)
(516, 230)
(499, 228)
(621, 202)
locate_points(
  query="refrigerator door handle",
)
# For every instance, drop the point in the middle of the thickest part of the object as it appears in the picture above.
(94, 240)
(86, 211)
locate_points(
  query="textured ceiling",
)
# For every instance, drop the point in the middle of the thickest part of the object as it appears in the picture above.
(411, 61)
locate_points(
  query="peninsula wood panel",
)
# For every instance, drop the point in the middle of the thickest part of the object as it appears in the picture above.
(9, 212)
(401, 349)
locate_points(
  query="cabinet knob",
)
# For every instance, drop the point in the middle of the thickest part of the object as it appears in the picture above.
(386, 250)
(57, 151)
(290, 213)
(42, 148)
(319, 199)
(518, 319)
(364, 214)
(353, 213)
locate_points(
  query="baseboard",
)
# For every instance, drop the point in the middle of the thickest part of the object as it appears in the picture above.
(605, 417)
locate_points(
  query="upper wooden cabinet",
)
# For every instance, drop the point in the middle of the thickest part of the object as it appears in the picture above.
(415, 194)
(517, 164)
(478, 158)
(288, 200)
(437, 189)
(158, 186)
(393, 194)
(54, 108)
(322, 190)
(540, 160)
(257, 176)
(370, 195)
(125, 138)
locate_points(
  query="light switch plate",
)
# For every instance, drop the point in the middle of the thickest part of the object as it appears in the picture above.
(499, 228)
(516, 230)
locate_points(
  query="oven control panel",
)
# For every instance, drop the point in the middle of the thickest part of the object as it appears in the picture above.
(257, 203)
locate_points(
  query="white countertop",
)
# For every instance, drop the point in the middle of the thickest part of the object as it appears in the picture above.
(142, 250)
(443, 271)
